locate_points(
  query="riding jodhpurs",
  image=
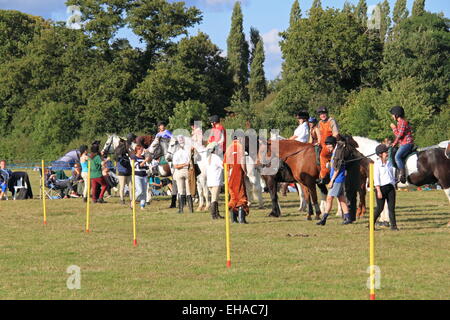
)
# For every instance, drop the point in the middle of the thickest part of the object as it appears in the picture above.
(181, 176)
(401, 154)
(123, 181)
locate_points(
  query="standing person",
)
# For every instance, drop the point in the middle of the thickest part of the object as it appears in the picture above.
(214, 180)
(96, 175)
(384, 182)
(235, 158)
(141, 165)
(181, 163)
(327, 128)
(84, 158)
(336, 185)
(313, 131)
(404, 137)
(5, 175)
(218, 134)
(163, 132)
(124, 175)
(197, 134)
(301, 134)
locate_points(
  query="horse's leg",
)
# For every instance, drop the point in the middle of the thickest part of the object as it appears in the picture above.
(257, 189)
(201, 205)
(205, 192)
(323, 196)
(302, 199)
(313, 198)
(272, 186)
(249, 189)
(307, 195)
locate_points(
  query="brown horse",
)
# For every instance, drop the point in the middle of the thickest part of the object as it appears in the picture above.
(296, 163)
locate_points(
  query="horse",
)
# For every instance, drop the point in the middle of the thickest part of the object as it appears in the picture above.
(157, 149)
(296, 163)
(114, 141)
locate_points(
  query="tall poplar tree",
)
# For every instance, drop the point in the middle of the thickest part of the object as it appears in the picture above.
(238, 54)
(400, 11)
(418, 8)
(257, 85)
(361, 12)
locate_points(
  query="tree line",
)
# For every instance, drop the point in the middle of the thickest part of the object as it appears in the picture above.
(62, 87)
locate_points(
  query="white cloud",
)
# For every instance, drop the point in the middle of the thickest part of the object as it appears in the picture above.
(44, 8)
(271, 42)
(215, 5)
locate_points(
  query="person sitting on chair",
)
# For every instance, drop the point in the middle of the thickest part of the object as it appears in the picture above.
(5, 175)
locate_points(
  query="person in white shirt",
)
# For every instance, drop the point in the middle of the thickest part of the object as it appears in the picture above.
(181, 163)
(384, 182)
(301, 134)
(214, 180)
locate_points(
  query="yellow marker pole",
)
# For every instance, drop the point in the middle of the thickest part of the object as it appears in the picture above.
(372, 237)
(227, 216)
(88, 195)
(43, 193)
(133, 197)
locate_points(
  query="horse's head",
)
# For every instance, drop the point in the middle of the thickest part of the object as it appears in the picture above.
(172, 147)
(159, 147)
(112, 142)
(346, 149)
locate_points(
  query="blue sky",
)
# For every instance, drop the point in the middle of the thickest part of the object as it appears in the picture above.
(268, 16)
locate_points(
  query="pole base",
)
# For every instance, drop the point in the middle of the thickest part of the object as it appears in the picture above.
(228, 264)
(372, 296)
(135, 242)
(45, 223)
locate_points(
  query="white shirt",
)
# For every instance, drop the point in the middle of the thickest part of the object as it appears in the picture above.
(302, 132)
(383, 173)
(214, 171)
(182, 156)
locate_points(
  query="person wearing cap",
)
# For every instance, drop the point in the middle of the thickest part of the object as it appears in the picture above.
(403, 137)
(313, 131)
(218, 134)
(327, 128)
(163, 132)
(235, 159)
(301, 134)
(384, 182)
(337, 184)
(181, 163)
(84, 169)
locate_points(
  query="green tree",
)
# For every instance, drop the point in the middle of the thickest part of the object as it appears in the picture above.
(296, 13)
(361, 12)
(186, 111)
(400, 11)
(418, 8)
(385, 21)
(348, 7)
(238, 54)
(257, 84)
(421, 50)
(316, 4)
(255, 37)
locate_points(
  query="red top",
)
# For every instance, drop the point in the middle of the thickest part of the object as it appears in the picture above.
(403, 133)
(218, 135)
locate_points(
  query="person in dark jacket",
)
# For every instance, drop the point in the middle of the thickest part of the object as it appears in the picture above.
(5, 175)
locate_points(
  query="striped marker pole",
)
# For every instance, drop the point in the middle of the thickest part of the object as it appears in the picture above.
(88, 196)
(227, 217)
(371, 234)
(43, 192)
(133, 197)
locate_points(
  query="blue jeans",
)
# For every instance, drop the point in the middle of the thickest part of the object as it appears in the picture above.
(141, 189)
(401, 154)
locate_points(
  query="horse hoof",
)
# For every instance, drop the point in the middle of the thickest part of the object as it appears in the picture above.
(317, 217)
(308, 218)
(273, 215)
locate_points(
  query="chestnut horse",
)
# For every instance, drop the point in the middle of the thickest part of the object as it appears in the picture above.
(297, 164)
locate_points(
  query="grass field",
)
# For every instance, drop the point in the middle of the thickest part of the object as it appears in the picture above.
(183, 256)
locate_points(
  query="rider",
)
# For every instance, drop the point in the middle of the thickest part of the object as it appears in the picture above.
(218, 134)
(163, 132)
(327, 127)
(404, 137)
(314, 131)
(301, 134)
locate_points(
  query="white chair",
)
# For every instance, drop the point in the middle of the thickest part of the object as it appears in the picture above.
(19, 185)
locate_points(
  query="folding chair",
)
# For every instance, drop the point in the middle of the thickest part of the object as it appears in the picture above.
(50, 190)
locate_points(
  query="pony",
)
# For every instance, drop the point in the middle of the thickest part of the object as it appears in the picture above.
(296, 163)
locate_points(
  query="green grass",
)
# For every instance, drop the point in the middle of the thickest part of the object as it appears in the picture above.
(183, 256)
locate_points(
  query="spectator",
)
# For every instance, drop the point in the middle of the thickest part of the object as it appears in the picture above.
(384, 182)
(5, 175)
(181, 164)
(124, 175)
(96, 175)
(84, 158)
(141, 166)
(214, 180)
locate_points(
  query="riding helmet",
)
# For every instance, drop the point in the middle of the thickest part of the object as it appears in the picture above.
(381, 148)
(312, 120)
(398, 111)
(131, 137)
(214, 119)
(331, 140)
(162, 123)
(322, 110)
(303, 114)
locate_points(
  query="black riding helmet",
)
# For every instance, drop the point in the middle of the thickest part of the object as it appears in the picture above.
(331, 140)
(381, 148)
(162, 123)
(131, 137)
(303, 114)
(214, 119)
(322, 110)
(398, 111)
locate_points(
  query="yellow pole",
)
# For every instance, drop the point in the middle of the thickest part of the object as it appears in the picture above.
(372, 237)
(88, 195)
(133, 197)
(43, 192)
(227, 216)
